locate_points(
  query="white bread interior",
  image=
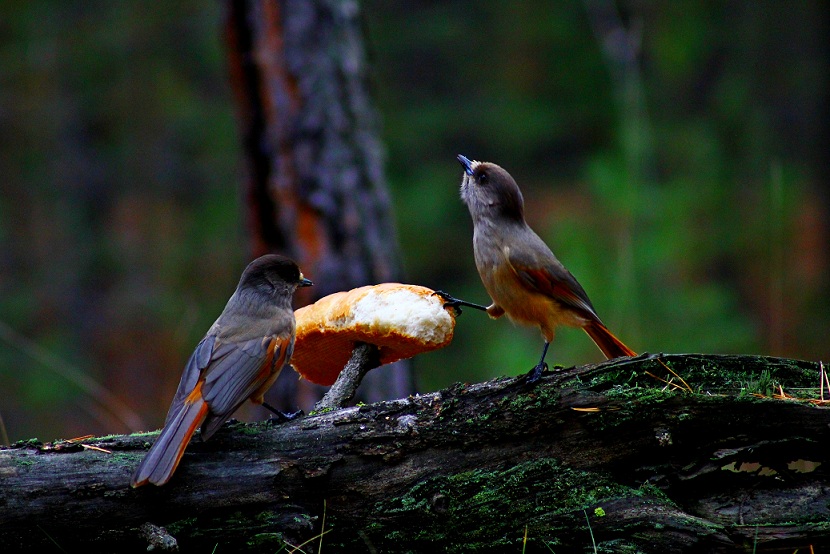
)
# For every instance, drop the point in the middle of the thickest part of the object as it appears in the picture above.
(401, 320)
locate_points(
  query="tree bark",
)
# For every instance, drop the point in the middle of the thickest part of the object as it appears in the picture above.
(604, 453)
(316, 187)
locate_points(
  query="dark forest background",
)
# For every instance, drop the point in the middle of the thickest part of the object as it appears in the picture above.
(673, 154)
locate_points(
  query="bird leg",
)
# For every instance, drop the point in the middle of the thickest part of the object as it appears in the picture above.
(536, 372)
(456, 303)
(282, 417)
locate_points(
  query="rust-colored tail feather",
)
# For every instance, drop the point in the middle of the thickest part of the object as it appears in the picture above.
(610, 345)
(161, 461)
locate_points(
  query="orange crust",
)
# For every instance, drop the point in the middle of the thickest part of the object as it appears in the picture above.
(327, 331)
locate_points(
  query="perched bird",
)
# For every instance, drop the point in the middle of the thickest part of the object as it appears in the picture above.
(239, 358)
(519, 271)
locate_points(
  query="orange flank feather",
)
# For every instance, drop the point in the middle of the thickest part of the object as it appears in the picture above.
(562, 288)
(163, 458)
(567, 291)
(271, 368)
(195, 394)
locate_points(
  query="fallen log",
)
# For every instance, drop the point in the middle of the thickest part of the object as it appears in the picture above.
(604, 454)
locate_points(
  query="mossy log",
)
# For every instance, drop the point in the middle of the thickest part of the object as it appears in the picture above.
(605, 454)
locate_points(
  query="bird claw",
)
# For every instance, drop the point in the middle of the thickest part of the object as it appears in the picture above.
(451, 301)
(281, 417)
(534, 374)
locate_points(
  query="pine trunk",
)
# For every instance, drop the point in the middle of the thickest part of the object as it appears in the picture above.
(316, 187)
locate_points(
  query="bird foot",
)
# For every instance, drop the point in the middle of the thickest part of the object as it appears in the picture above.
(451, 301)
(534, 374)
(281, 417)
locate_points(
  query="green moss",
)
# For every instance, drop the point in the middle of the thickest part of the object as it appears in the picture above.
(468, 508)
(714, 379)
(251, 430)
(266, 540)
(808, 527)
(618, 546)
(738, 375)
(141, 434)
(124, 458)
(267, 516)
(264, 529)
(107, 438)
(763, 383)
(28, 443)
(730, 375)
(641, 395)
(651, 491)
(181, 525)
(538, 399)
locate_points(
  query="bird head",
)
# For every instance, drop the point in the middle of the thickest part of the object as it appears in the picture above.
(490, 192)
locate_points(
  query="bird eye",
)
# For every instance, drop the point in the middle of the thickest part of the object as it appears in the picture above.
(482, 178)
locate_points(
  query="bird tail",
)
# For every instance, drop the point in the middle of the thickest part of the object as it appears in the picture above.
(610, 345)
(161, 461)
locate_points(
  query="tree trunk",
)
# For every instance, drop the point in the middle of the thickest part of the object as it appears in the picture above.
(600, 453)
(316, 187)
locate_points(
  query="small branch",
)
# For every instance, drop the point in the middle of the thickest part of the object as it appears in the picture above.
(364, 358)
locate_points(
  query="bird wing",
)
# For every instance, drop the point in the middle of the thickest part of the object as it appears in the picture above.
(553, 281)
(187, 411)
(161, 461)
(218, 377)
(198, 361)
(229, 372)
(237, 371)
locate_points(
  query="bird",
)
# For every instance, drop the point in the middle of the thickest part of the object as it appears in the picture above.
(520, 273)
(239, 358)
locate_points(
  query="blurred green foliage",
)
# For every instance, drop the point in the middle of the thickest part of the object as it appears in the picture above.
(121, 226)
(685, 189)
(653, 181)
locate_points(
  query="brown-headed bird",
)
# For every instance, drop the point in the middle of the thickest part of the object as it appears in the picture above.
(519, 271)
(239, 358)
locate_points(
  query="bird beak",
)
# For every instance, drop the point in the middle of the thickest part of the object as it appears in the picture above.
(305, 282)
(468, 165)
